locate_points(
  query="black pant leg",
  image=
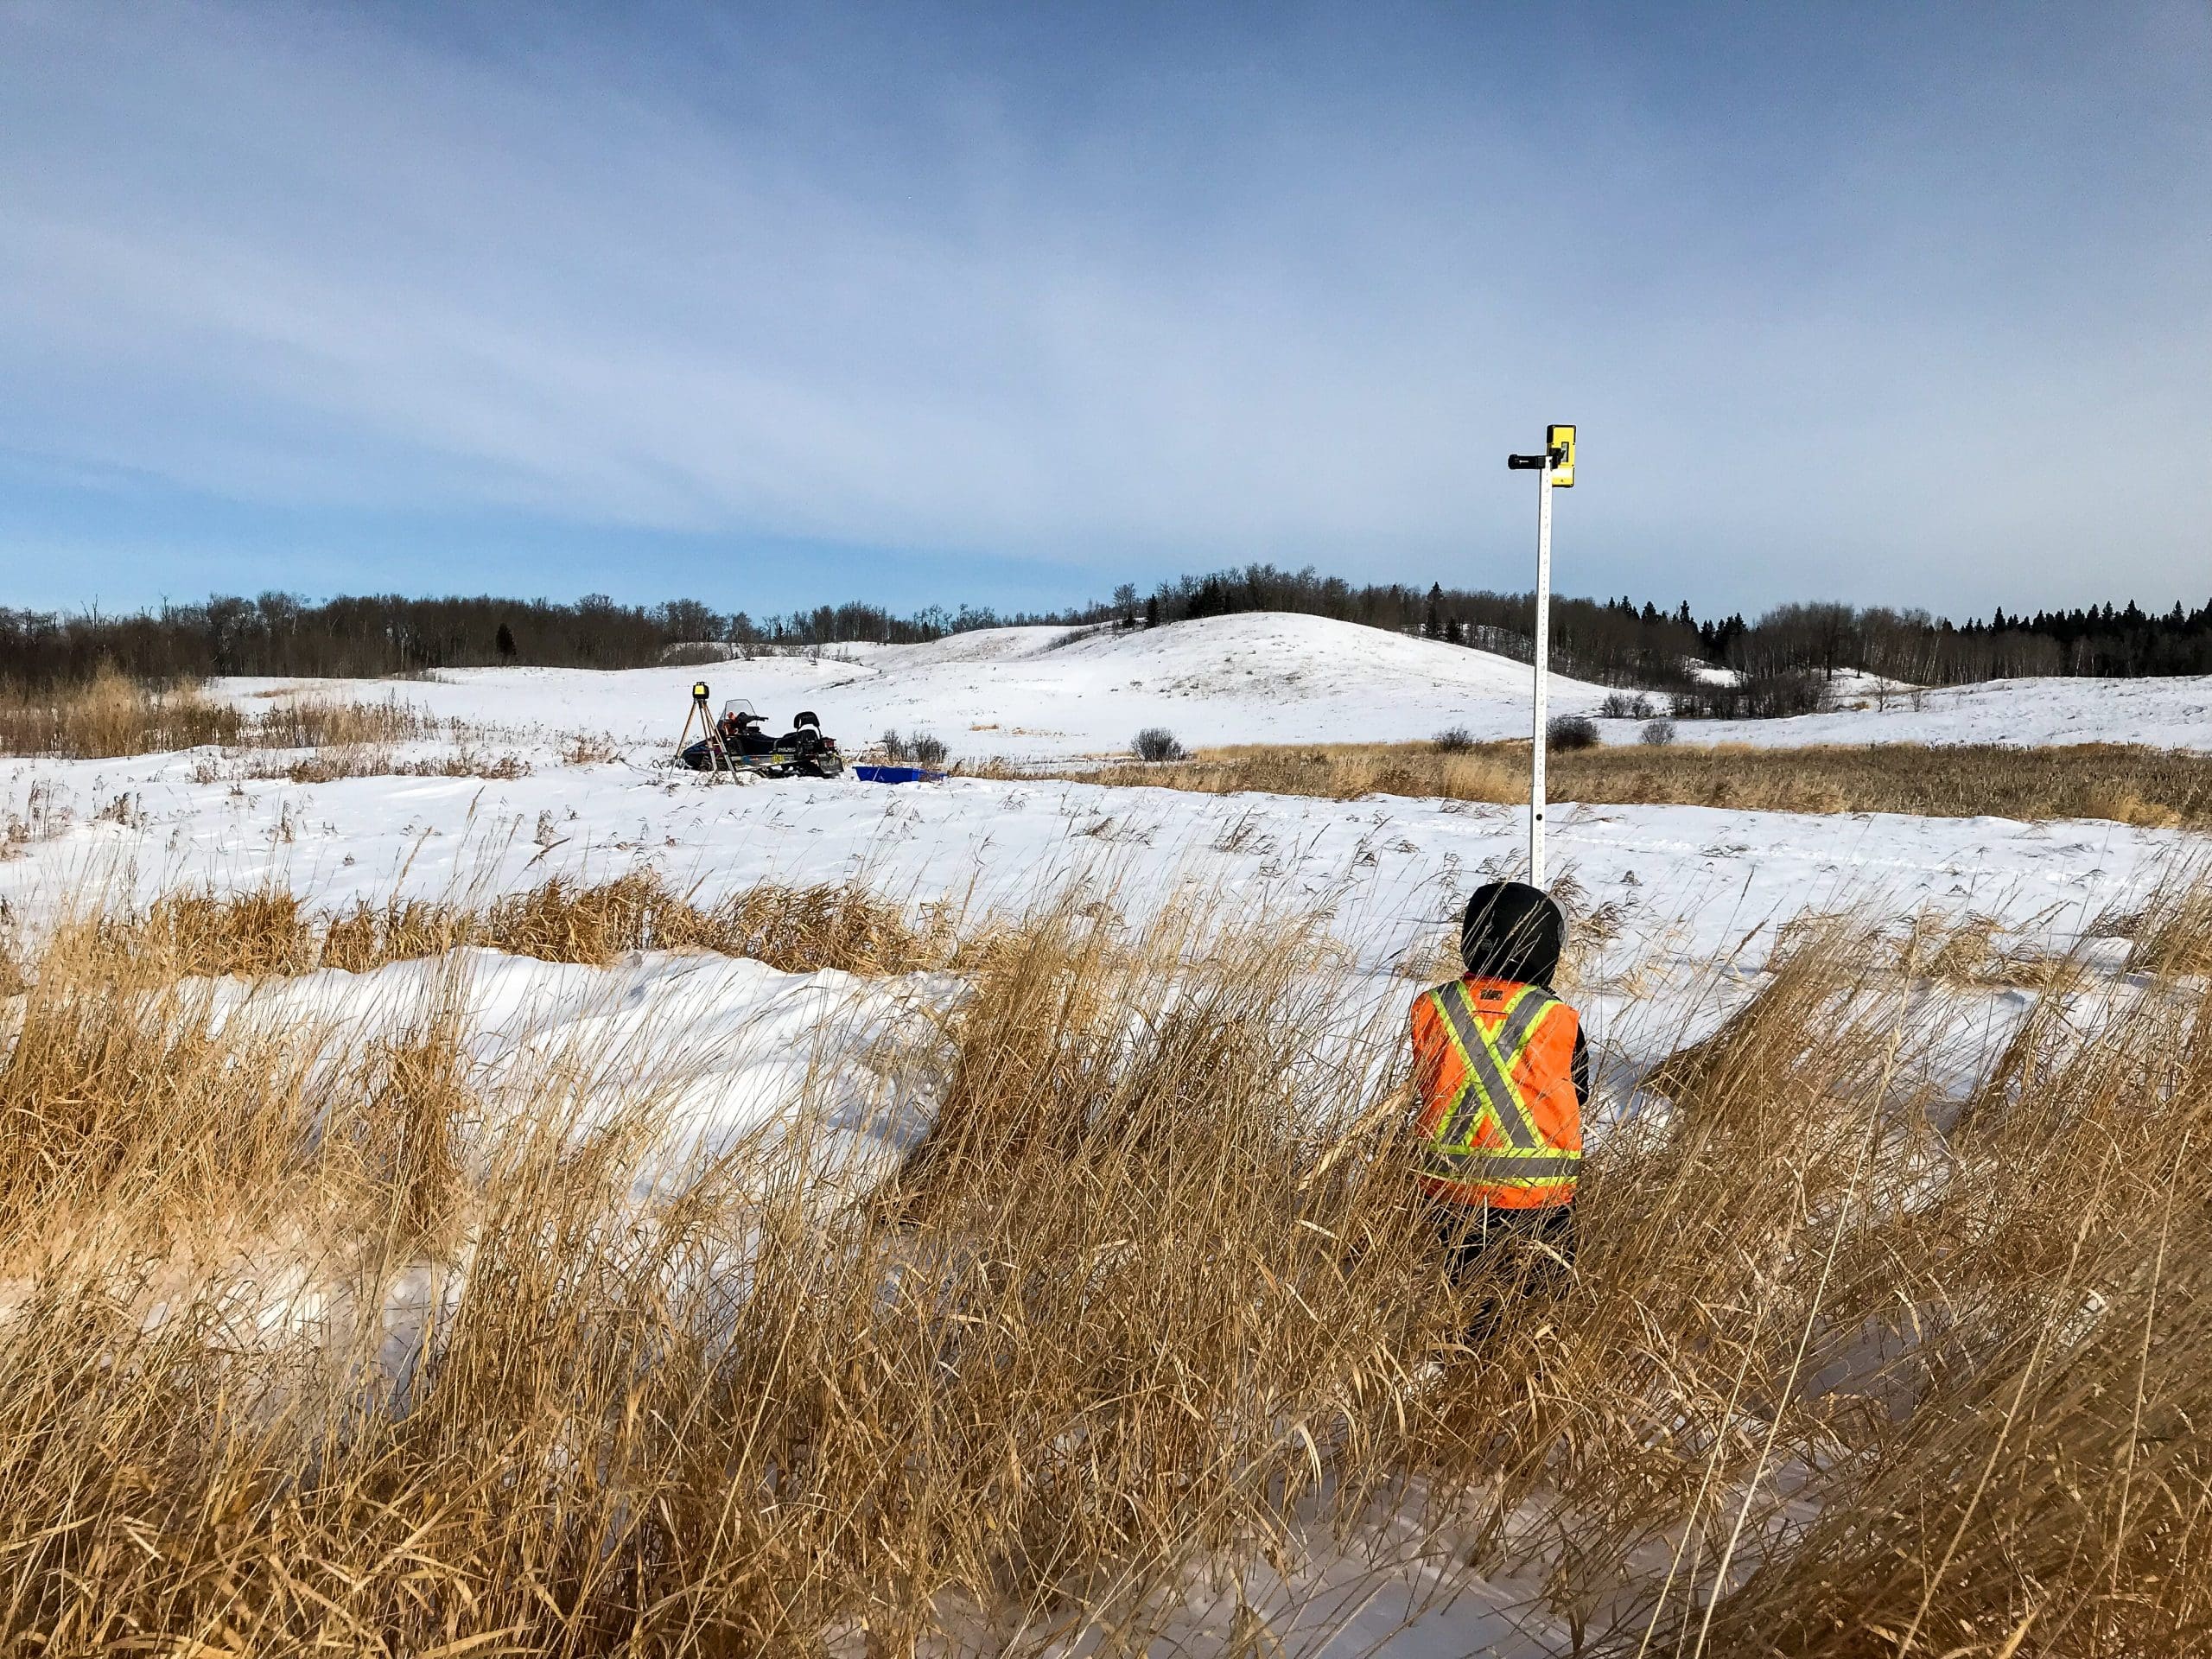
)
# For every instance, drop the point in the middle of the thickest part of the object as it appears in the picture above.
(1502, 1256)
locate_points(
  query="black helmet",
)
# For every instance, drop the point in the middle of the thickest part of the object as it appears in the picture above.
(1512, 930)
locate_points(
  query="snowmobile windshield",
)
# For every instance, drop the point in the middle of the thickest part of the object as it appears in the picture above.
(736, 706)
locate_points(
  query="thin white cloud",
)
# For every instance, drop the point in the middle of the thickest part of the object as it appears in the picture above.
(294, 259)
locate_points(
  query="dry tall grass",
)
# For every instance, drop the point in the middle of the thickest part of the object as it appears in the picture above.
(263, 933)
(1829, 1382)
(112, 715)
(318, 722)
(2160, 788)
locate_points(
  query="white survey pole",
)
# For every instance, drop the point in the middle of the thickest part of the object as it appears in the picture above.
(1542, 675)
(1555, 469)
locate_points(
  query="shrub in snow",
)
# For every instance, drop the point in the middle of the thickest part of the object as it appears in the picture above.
(695, 653)
(920, 749)
(1656, 734)
(1618, 705)
(1756, 696)
(1157, 743)
(1566, 732)
(1453, 738)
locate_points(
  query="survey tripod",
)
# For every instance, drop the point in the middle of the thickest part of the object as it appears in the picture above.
(703, 713)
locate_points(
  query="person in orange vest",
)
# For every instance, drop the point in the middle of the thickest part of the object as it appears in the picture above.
(1500, 1073)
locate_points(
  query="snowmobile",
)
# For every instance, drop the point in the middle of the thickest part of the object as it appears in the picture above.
(747, 746)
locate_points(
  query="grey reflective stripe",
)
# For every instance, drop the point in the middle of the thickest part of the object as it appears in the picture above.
(1516, 1029)
(1513, 1036)
(1484, 1071)
(1452, 1130)
(1501, 1169)
(1454, 1127)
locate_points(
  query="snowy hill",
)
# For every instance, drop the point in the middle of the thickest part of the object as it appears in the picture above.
(1037, 693)
(1030, 693)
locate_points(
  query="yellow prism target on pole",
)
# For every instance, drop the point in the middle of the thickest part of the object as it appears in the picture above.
(1558, 438)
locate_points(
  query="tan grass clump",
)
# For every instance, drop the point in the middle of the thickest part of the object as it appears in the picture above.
(320, 723)
(112, 715)
(368, 936)
(124, 1106)
(194, 932)
(844, 926)
(591, 749)
(798, 929)
(358, 760)
(2171, 932)
(267, 931)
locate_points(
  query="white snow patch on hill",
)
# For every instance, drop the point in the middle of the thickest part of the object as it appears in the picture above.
(1047, 693)
(2171, 712)
(1033, 693)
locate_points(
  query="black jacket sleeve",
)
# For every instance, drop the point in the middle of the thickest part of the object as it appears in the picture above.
(1579, 1067)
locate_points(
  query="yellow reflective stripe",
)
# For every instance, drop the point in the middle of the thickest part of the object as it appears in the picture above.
(1514, 1036)
(1465, 1035)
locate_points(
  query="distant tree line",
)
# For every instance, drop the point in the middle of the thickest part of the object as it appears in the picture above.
(1779, 662)
(1611, 641)
(1619, 642)
(371, 635)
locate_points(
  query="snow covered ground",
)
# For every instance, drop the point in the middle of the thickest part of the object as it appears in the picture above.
(1680, 907)
(1683, 904)
(713, 1047)
(1047, 693)
(1685, 886)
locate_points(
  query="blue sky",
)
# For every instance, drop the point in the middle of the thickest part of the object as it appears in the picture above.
(1901, 304)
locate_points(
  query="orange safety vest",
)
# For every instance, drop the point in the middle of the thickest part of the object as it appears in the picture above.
(1494, 1065)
